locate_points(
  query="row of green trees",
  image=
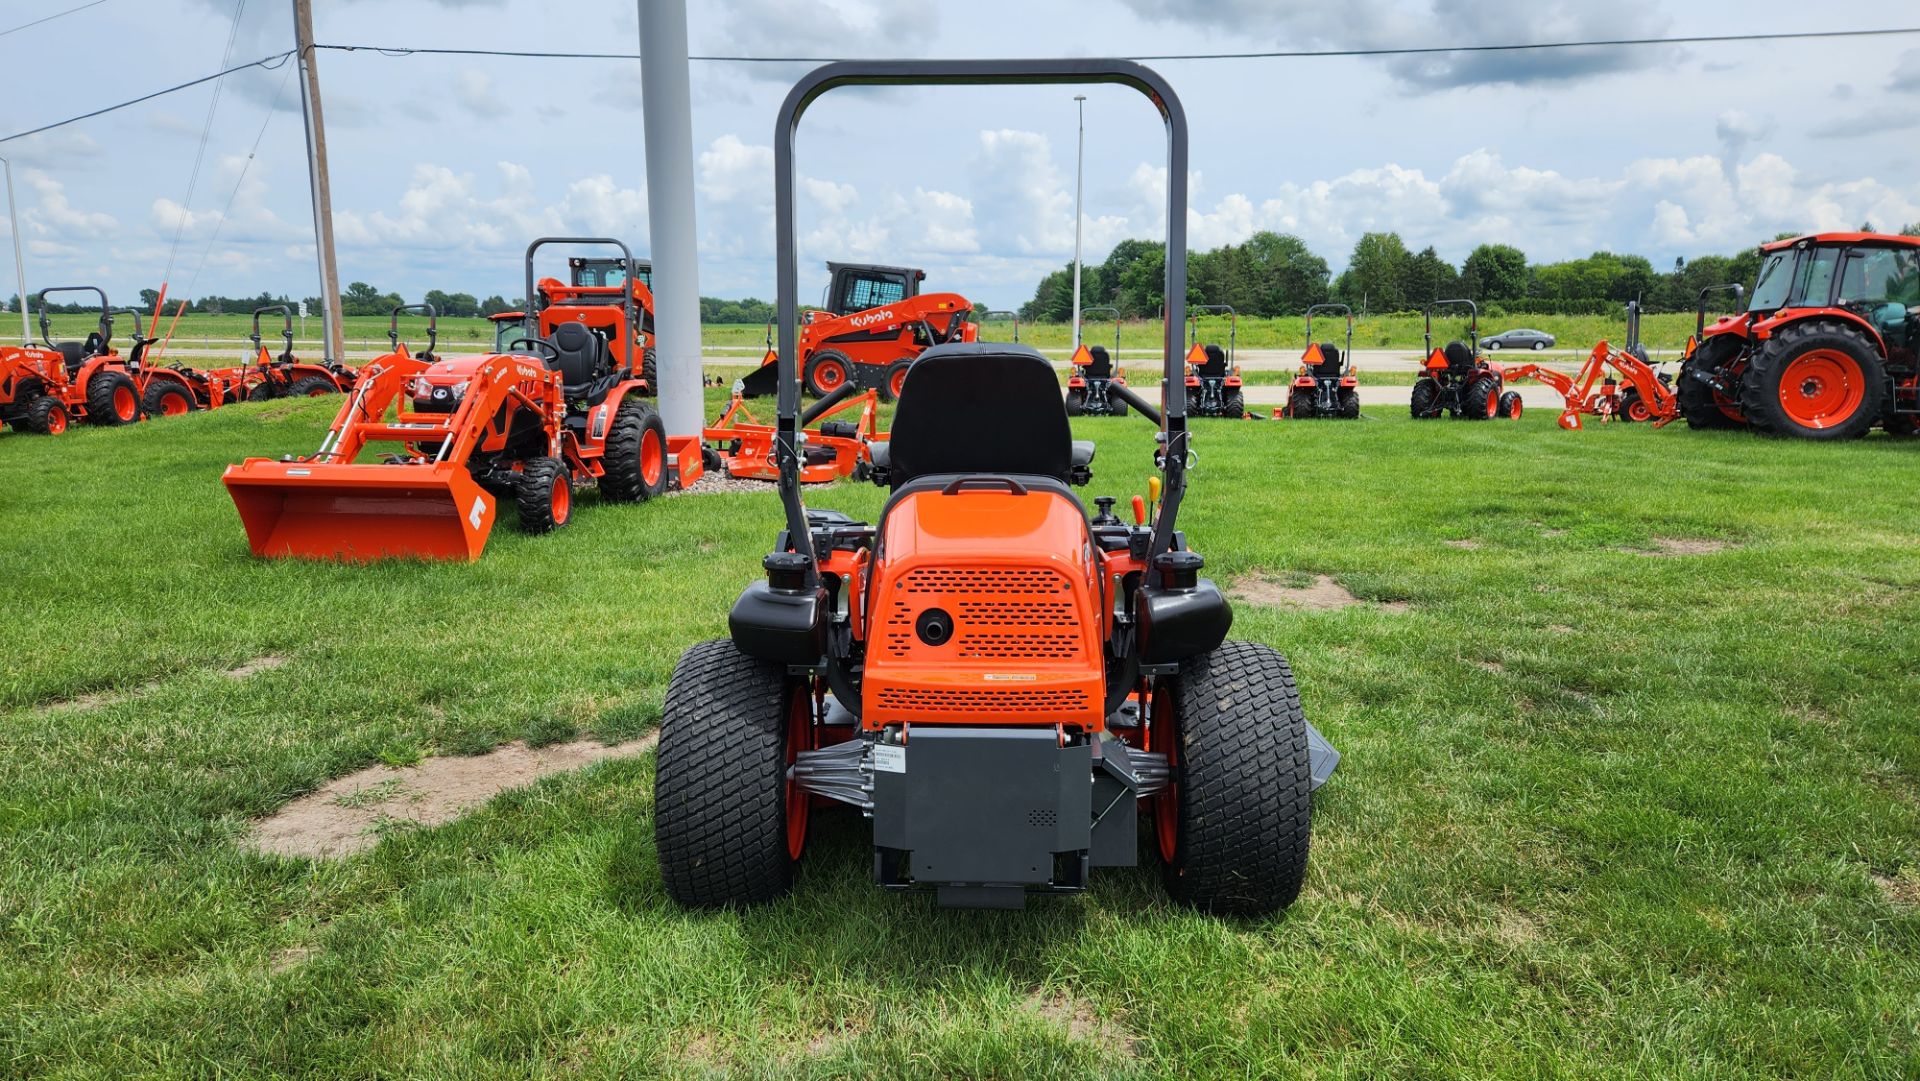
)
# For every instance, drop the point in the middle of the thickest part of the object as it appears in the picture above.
(1277, 274)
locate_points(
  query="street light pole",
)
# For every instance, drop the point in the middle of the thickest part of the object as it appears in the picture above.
(19, 267)
(1079, 170)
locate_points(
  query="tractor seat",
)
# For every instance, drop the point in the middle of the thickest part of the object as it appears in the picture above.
(1329, 366)
(1099, 364)
(981, 408)
(582, 363)
(1459, 357)
(1216, 364)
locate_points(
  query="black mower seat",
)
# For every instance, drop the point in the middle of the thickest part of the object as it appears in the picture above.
(1099, 364)
(1216, 364)
(1329, 361)
(582, 363)
(1459, 357)
(981, 408)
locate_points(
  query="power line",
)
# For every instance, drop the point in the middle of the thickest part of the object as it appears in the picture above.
(220, 222)
(206, 131)
(1289, 54)
(270, 63)
(50, 18)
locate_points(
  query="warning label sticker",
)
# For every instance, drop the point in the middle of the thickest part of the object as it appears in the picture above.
(889, 758)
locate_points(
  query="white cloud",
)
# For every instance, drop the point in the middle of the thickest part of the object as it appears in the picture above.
(473, 91)
(52, 215)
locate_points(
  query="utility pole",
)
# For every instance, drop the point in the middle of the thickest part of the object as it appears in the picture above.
(1079, 169)
(19, 267)
(330, 327)
(666, 111)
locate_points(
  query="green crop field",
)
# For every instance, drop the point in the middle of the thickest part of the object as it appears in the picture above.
(1631, 788)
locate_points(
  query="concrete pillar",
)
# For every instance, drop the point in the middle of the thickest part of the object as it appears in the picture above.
(667, 112)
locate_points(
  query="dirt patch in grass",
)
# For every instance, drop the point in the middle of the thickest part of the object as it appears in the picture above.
(1681, 546)
(254, 667)
(1495, 667)
(1559, 628)
(291, 957)
(1902, 888)
(278, 412)
(1081, 1022)
(1321, 595)
(1467, 544)
(351, 813)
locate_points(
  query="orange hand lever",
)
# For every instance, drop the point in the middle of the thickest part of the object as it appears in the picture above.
(1139, 511)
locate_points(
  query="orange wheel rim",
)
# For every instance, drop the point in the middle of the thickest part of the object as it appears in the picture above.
(896, 384)
(1518, 405)
(561, 501)
(1638, 411)
(1821, 388)
(653, 458)
(57, 421)
(829, 374)
(173, 405)
(316, 392)
(799, 802)
(124, 405)
(1493, 402)
(1166, 805)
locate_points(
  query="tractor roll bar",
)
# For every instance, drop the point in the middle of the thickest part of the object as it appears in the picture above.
(1233, 325)
(1739, 301)
(1474, 326)
(46, 325)
(531, 319)
(286, 328)
(1115, 312)
(1344, 310)
(1173, 387)
(984, 316)
(433, 326)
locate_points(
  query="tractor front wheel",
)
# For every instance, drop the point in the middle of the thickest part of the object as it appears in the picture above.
(650, 371)
(1511, 406)
(112, 399)
(1426, 398)
(728, 824)
(827, 371)
(166, 398)
(313, 386)
(636, 457)
(1234, 825)
(544, 495)
(1814, 381)
(45, 416)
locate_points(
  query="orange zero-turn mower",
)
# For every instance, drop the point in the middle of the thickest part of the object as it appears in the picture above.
(1004, 686)
(1826, 347)
(44, 389)
(875, 322)
(1325, 385)
(1458, 381)
(1213, 376)
(1094, 373)
(742, 447)
(528, 425)
(1647, 395)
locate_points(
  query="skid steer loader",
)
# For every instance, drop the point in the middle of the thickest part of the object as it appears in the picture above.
(1003, 686)
(874, 322)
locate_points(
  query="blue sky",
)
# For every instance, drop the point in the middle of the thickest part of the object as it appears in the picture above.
(443, 167)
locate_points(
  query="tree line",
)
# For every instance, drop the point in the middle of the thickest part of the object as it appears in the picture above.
(1278, 274)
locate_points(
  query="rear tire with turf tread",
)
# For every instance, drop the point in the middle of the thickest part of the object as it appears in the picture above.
(160, 391)
(1234, 406)
(719, 790)
(1481, 399)
(1350, 404)
(1245, 807)
(1076, 401)
(1426, 394)
(108, 395)
(312, 386)
(636, 442)
(535, 495)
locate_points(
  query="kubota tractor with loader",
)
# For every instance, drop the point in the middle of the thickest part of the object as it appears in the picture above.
(1213, 376)
(1002, 685)
(596, 290)
(1325, 385)
(1827, 346)
(555, 412)
(1457, 380)
(44, 389)
(876, 320)
(1095, 373)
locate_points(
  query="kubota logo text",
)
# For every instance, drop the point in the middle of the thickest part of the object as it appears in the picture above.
(871, 317)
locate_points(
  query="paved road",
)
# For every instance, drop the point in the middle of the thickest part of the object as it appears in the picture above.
(1535, 397)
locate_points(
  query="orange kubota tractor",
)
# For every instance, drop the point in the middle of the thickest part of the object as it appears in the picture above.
(42, 390)
(174, 389)
(1004, 685)
(1825, 348)
(1325, 385)
(592, 294)
(1645, 395)
(1458, 381)
(1213, 376)
(1095, 373)
(874, 323)
(555, 411)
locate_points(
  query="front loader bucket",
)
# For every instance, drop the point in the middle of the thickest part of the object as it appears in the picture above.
(762, 382)
(305, 510)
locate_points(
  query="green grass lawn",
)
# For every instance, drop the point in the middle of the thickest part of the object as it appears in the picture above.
(1605, 811)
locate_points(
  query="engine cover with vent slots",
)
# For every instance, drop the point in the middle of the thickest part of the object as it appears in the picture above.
(984, 609)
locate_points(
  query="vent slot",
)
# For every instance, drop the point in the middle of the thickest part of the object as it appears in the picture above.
(928, 701)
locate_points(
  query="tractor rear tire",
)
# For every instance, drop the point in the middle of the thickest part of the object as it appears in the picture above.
(826, 371)
(1481, 399)
(1076, 401)
(1242, 802)
(1698, 401)
(166, 398)
(112, 399)
(1820, 381)
(1235, 406)
(45, 416)
(1350, 404)
(1116, 405)
(721, 799)
(1425, 402)
(636, 455)
(313, 386)
(544, 495)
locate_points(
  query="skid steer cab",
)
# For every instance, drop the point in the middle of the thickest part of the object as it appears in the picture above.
(1005, 688)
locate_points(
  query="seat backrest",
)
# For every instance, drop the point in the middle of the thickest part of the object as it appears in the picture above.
(581, 353)
(1329, 359)
(1216, 361)
(1099, 364)
(980, 407)
(1459, 357)
(74, 353)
